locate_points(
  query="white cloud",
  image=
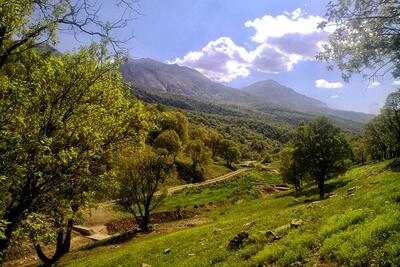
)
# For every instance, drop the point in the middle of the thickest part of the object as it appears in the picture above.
(267, 58)
(374, 84)
(282, 41)
(396, 82)
(221, 60)
(275, 27)
(322, 83)
(334, 96)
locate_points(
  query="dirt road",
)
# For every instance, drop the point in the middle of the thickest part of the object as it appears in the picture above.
(206, 182)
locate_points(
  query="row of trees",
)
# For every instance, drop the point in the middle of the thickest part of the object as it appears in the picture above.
(381, 139)
(320, 151)
(141, 175)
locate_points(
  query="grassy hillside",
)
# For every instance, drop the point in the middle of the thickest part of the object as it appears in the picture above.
(357, 226)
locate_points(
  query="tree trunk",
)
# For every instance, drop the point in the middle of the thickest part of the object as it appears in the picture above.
(321, 182)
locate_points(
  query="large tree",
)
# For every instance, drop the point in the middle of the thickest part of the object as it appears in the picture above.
(26, 24)
(323, 150)
(73, 109)
(366, 38)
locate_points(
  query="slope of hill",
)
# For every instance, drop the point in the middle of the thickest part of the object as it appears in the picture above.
(270, 91)
(356, 226)
(155, 76)
(263, 97)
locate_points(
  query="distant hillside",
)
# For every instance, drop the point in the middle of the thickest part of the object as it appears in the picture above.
(270, 91)
(186, 88)
(155, 76)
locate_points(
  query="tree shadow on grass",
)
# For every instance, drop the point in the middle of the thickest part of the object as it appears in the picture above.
(394, 165)
(118, 239)
(312, 190)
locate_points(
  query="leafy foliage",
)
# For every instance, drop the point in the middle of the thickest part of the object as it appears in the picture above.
(366, 36)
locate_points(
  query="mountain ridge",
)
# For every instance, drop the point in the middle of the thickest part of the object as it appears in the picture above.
(157, 77)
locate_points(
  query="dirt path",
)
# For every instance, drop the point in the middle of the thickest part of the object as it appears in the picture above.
(206, 182)
(101, 215)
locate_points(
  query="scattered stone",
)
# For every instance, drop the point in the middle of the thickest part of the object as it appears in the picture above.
(297, 263)
(191, 254)
(167, 251)
(237, 242)
(115, 246)
(269, 234)
(351, 190)
(296, 223)
(248, 224)
(145, 265)
(83, 230)
(332, 195)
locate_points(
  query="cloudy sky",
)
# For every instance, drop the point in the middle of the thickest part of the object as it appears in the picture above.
(240, 42)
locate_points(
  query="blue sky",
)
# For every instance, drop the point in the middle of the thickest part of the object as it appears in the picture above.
(238, 42)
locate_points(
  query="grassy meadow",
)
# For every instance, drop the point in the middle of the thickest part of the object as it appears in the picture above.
(357, 224)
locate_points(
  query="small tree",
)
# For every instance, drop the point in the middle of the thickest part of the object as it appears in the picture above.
(174, 120)
(169, 140)
(199, 154)
(291, 167)
(210, 137)
(140, 178)
(229, 151)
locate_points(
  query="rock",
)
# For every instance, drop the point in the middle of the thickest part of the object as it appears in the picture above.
(167, 251)
(191, 254)
(296, 223)
(332, 195)
(296, 200)
(269, 234)
(145, 265)
(237, 242)
(247, 224)
(83, 230)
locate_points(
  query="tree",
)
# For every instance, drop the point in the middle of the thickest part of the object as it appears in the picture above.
(210, 137)
(74, 109)
(323, 150)
(229, 151)
(366, 37)
(291, 166)
(382, 134)
(140, 178)
(360, 150)
(27, 24)
(170, 141)
(174, 120)
(199, 155)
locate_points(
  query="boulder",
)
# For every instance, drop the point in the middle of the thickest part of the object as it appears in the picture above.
(237, 242)
(167, 251)
(296, 223)
(270, 234)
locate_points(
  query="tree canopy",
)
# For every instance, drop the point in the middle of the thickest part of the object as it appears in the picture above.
(366, 38)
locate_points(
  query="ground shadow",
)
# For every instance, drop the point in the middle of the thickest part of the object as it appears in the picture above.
(312, 190)
(394, 165)
(113, 240)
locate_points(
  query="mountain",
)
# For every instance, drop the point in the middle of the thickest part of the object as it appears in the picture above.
(270, 91)
(167, 83)
(155, 76)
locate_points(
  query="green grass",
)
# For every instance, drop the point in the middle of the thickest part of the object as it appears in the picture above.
(358, 230)
(241, 186)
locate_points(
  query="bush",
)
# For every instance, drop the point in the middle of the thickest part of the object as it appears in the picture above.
(186, 173)
(267, 158)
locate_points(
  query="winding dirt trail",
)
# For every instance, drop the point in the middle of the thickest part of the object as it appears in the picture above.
(206, 182)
